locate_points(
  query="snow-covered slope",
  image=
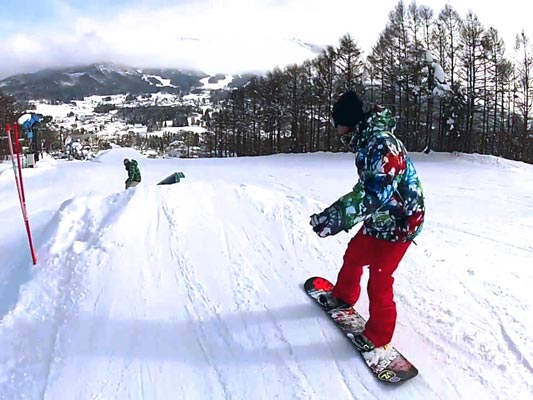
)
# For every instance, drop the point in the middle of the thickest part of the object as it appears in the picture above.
(194, 290)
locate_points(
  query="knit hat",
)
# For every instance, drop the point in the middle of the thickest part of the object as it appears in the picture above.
(348, 110)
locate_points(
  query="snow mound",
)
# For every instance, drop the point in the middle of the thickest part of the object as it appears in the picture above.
(484, 159)
(201, 282)
(178, 246)
(117, 155)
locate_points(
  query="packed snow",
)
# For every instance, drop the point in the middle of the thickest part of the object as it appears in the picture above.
(194, 290)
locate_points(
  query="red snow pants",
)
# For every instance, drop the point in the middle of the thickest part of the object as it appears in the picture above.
(382, 258)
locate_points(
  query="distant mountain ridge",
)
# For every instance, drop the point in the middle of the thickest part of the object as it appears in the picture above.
(65, 84)
(106, 78)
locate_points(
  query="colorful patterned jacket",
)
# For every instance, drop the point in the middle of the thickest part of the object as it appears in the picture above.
(388, 196)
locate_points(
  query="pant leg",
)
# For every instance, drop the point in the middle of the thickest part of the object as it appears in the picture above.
(382, 322)
(357, 255)
(130, 184)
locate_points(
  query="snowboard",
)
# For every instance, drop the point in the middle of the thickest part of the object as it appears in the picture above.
(386, 363)
(172, 178)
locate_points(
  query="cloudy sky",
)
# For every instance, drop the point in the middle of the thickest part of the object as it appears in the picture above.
(212, 35)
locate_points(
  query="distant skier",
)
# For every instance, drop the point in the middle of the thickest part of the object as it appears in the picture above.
(388, 199)
(28, 122)
(134, 174)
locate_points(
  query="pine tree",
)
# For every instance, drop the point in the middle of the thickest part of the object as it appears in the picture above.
(525, 89)
(472, 73)
(9, 110)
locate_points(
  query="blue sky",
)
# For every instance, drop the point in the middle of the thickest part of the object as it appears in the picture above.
(45, 11)
(233, 35)
(41, 14)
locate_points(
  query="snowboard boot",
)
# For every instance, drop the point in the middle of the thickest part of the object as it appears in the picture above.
(362, 343)
(380, 354)
(329, 302)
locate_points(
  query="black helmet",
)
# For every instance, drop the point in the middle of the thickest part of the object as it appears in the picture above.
(348, 110)
(126, 161)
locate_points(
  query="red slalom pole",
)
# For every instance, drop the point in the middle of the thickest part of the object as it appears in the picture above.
(20, 186)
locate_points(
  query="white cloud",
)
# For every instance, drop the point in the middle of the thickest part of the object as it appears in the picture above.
(233, 35)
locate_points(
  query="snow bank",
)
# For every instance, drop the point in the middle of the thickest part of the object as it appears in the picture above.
(194, 290)
(117, 155)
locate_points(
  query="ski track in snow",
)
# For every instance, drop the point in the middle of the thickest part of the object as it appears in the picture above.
(246, 297)
(197, 288)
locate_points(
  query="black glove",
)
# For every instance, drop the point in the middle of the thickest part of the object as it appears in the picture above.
(319, 223)
(327, 223)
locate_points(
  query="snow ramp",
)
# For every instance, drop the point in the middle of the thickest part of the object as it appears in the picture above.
(195, 292)
(177, 292)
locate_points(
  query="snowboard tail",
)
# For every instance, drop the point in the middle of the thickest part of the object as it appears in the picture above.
(386, 363)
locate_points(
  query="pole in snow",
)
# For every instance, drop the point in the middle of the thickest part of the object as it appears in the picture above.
(20, 185)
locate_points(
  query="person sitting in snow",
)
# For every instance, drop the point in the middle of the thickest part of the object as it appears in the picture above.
(134, 174)
(388, 200)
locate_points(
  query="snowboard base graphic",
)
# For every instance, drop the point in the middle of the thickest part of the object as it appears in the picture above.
(386, 363)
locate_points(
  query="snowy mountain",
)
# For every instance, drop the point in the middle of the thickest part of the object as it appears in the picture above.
(194, 291)
(66, 84)
(201, 54)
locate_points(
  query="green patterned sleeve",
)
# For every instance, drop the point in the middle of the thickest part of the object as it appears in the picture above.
(345, 212)
(352, 207)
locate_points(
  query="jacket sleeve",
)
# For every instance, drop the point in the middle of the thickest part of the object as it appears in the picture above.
(384, 166)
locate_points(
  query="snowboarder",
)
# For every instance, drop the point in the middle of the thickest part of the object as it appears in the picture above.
(134, 174)
(388, 199)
